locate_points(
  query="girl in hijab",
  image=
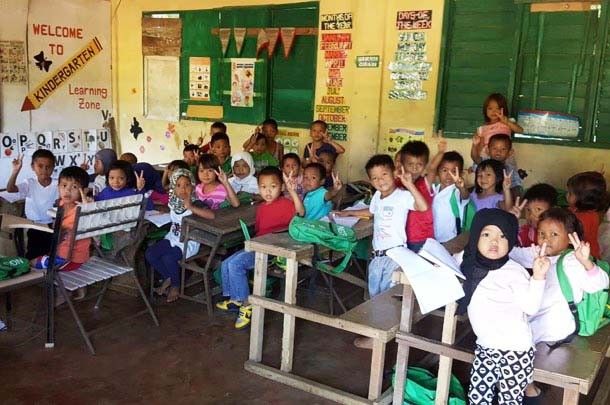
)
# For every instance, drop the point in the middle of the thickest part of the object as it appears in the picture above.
(152, 184)
(499, 294)
(103, 160)
(165, 255)
(243, 179)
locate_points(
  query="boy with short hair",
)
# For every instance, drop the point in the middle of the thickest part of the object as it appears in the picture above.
(537, 199)
(501, 149)
(261, 156)
(40, 193)
(321, 142)
(327, 159)
(272, 215)
(221, 148)
(217, 127)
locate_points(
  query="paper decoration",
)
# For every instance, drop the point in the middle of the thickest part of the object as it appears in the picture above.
(273, 36)
(414, 20)
(410, 67)
(549, 124)
(12, 62)
(396, 137)
(287, 37)
(290, 140)
(261, 40)
(239, 34)
(338, 21)
(199, 75)
(225, 35)
(242, 82)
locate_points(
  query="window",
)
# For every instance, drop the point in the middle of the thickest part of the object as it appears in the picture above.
(555, 62)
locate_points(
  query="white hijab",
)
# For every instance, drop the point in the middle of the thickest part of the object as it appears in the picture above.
(248, 184)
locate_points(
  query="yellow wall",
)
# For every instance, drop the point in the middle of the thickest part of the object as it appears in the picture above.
(372, 113)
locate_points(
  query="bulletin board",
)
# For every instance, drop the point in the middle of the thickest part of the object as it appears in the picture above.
(161, 87)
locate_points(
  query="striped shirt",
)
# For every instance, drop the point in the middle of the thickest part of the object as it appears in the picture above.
(213, 199)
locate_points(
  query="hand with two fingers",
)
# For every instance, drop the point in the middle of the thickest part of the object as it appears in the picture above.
(442, 142)
(140, 181)
(405, 177)
(337, 183)
(507, 182)
(517, 208)
(222, 176)
(457, 178)
(582, 250)
(290, 181)
(542, 264)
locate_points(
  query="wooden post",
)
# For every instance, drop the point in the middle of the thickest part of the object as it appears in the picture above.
(402, 355)
(290, 297)
(258, 313)
(376, 378)
(445, 362)
(570, 394)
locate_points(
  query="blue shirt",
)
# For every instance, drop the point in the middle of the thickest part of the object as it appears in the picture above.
(316, 206)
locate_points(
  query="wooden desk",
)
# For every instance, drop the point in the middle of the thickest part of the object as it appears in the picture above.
(225, 227)
(377, 318)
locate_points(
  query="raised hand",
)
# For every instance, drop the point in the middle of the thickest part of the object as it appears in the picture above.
(541, 264)
(312, 154)
(507, 182)
(501, 117)
(140, 180)
(442, 142)
(221, 175)
(83, 197)
(457, 178)
(517, 208)
(290, 181)
(84, 165)
(188, 203)
(476, 140)
(405, 177)
(337, 183)
(18, 163)
(582, 250)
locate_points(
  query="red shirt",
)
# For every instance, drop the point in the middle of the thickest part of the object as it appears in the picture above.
(590, 224)
(419, 223)
(527, 235)
(274, 216)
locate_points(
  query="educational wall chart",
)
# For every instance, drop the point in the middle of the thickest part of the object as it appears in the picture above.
(242, 82)
(290, 140)
(410, 67)
(199, 80)
(333, 108)
(396, 137)
(12, 62)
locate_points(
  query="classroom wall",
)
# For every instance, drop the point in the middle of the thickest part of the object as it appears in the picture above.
(372, 113)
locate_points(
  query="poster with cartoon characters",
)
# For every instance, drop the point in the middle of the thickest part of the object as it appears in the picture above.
(242, 82)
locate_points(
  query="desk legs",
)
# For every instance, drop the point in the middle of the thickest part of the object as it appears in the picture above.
(290, 297)
(571, 394)
(445, 362)
(402, 355)
(257, 322)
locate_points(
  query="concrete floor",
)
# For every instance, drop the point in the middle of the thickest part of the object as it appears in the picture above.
(189, 359)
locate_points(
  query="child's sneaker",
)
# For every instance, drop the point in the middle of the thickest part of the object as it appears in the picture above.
(243, 320)
(229, 305)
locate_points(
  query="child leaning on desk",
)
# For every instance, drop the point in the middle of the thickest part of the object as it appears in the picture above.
(390, 207)
(272, 215)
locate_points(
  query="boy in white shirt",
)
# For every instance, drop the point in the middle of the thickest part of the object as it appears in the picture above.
(40, 194)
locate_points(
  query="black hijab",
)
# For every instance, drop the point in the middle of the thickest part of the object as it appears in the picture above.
(476, 266)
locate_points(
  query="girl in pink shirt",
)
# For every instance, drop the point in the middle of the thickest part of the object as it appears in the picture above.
(213, 185)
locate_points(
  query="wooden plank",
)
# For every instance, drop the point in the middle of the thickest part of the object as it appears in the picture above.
(14, 222)
(602, 397)
(280, 244)
(402, 354)
(290, 297)
(304, 384)
(377, 361)
(33, 277)
(445, 363)
(161, 36)
(562, 6)
(253, 32)
(258, 313)
(571, 395)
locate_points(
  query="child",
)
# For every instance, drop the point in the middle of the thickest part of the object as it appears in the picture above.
(152, 184)
(270, 130)
(327, 159)
(587, 199)
(40, 194)
(415, 155)
(492, 188)
(129, 157)
(72, 182)
(559, 228)
(291, 167)
(221, 148)
(495, 113)
(121, 182)
(165, 255)
(538, 199)
(213, 186)
(449, 194)
(317, 200)
(272, 215)
(501, 149)
(190, 155)
(321, 143)
(167, 173)
(390, 207)
(103, 159)
(497, 288)
(243, 179)
(261, 156)
(217, 127)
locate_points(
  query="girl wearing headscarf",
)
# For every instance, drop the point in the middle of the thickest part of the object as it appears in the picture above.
(243, 179)
(165, 255)
(499, 295)
(104, 158)
(152, 184)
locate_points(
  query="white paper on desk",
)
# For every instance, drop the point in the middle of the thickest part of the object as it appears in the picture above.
(433, 286)
(158, 218)
(436, 253)
(11, 197)
(346, 221)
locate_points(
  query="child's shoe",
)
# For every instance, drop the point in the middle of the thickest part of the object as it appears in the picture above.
(229, 305)
(243, 320)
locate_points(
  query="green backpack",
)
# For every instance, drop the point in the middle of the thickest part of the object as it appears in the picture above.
(592, 313)
(420, 388)
(337, 238)
(11, 267)
(463, 219)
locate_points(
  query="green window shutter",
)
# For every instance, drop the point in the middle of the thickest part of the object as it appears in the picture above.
(293, 79)
(478, 60)
(250, 17)
(602, 112)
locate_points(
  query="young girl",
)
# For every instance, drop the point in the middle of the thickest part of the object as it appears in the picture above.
(492, 188)
(121, 182)
(167, 173)
(243, 179)
(495, 116)
(499, 288)
(103, 159)
(587, 199)
(152, 184)
(318, 131)
(165, 255)
(291, 167)
(213, 186)
(559, 228)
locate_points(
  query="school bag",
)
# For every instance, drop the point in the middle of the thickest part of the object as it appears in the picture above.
(463, 220)
(592, 313)
(11, 267)
(337, 238)
(420, 388)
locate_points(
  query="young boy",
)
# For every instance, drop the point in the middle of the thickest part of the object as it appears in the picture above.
(318, 200)
(414, 158)
(221, 148)
(216, 128)
(501, 149)
(268, 128)
(321, 143)
(129, 158)
(262, 157)
(190, 155)
(538, 199)
(291, 167)
(328, 159)
(40, 194)
(274, 214)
